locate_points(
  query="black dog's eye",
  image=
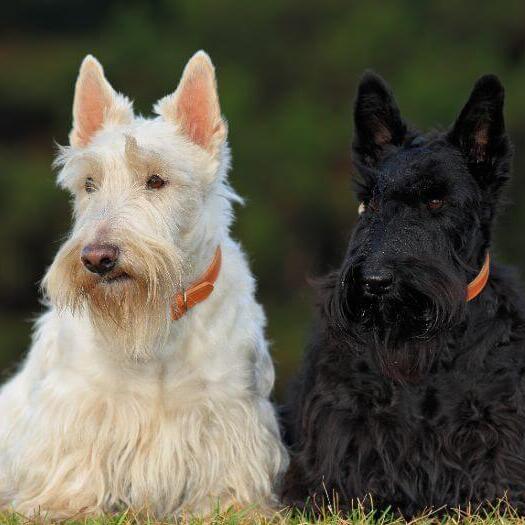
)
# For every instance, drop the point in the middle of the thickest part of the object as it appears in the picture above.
(89, 185)
(155, 183)
(435, 204)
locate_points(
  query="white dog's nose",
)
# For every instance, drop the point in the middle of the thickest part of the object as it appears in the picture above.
(100, 258)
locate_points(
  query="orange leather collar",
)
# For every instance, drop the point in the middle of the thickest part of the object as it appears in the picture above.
(477, 285)
(199, 290)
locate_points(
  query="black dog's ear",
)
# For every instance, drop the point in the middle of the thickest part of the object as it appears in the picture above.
(479, 131)
(378, 123)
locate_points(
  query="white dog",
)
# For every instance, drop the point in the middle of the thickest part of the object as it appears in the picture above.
(148, 379)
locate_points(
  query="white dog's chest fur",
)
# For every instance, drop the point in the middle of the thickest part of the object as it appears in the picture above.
(183, 431)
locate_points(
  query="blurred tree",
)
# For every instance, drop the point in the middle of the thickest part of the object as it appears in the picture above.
(287, 75)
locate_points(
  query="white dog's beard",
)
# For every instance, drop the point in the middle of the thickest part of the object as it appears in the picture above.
(129, 308)
(128, 319)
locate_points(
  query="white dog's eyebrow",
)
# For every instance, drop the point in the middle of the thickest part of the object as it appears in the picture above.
(139, 158)
(136, 154)
(142, 160)
(131, 148)
(68, 155)
(78, 165)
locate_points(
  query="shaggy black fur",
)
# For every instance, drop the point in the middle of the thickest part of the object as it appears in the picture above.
(409, 393)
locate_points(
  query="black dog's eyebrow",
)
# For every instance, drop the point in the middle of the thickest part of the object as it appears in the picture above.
(426, 184)
(413, 186)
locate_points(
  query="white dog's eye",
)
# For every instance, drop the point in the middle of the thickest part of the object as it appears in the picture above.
(155, 183)
(361, 208)
(89, 185)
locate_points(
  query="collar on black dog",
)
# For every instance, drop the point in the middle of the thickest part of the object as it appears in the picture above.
(477, 285)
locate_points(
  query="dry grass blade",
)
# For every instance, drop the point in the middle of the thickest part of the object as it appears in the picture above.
(500, 514)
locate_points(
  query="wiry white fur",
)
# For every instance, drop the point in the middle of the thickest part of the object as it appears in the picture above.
(126, 407)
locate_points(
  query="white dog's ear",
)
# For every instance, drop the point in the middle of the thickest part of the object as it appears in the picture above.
(194, 106)
(95, 104)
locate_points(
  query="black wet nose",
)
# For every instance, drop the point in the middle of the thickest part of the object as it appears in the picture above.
(378, 282)
(99, 258)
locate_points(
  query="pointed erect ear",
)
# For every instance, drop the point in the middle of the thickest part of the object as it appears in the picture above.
(95, 104)
(194, 106)
(479, 131)
(378, 123)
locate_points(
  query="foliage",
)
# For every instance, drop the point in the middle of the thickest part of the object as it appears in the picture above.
(287, 73)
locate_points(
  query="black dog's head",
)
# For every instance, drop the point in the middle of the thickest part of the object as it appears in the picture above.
(427, 206)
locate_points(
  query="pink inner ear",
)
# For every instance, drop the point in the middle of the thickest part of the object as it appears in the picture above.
(382, 135)
(92, 102)
(481, 140)
(196, 109)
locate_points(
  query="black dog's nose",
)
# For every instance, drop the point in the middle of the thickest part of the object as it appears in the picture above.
(377, 282)
(99, 258)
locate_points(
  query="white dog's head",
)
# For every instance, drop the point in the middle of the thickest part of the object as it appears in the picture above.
(151, 203)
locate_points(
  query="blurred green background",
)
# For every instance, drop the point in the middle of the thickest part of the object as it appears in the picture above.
(287, 75)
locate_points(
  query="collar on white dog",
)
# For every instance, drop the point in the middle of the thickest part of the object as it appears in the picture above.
(199, 290)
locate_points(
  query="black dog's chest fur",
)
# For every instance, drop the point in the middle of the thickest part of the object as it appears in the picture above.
(453, 438)
(457, 412)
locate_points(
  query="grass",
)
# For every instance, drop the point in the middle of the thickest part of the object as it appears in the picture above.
(502, 514)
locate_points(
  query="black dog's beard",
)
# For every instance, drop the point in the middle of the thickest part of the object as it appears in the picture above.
(406, 329)
(404, 360)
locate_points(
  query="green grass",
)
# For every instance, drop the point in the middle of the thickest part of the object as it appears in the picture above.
(499, 515)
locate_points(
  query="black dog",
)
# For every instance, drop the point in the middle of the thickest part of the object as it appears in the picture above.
(411, 392)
